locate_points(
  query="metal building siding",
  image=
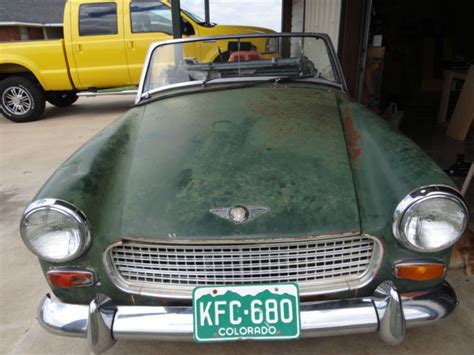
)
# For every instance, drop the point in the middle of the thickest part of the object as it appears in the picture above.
(323, 16)
(297, 16)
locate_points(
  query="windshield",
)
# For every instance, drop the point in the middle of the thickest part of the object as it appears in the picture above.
(219, 60)
(192, 16)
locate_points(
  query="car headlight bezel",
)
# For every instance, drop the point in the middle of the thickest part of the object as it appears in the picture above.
(416, 198)
(69, 211)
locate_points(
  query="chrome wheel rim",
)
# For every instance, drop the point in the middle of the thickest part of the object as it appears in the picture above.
(17, 101)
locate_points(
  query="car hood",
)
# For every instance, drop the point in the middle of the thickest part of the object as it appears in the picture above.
(281, 148)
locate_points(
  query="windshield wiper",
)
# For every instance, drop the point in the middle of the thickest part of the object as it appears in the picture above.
(291, 78)
(256, 80)
(240, 82)
(209, 77)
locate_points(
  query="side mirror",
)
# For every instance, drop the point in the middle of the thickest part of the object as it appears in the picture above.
(187, 28)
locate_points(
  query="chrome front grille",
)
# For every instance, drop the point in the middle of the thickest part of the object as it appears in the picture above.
(317, 265)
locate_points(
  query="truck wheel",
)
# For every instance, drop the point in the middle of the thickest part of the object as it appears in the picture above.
(21, 100)
(62, 99)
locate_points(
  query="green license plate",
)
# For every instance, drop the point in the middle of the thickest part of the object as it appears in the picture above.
(258, 312)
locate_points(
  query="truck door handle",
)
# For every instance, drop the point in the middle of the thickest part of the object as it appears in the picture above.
(79, 48)
(131, 44)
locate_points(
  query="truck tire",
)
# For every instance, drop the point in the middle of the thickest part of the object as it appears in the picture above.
(21, 100)
(61, 99)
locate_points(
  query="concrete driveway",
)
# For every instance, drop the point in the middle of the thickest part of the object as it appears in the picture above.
(29, 153)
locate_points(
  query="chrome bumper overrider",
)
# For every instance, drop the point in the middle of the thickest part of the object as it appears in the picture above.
(387, 312)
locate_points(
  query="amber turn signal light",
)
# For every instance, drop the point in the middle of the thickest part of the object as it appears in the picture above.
(420, 271)
(70, 278)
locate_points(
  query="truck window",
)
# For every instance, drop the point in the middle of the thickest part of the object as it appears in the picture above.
(150, 16)
(98, 19)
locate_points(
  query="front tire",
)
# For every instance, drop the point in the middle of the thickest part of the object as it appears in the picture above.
(62, 98)
(21, 100)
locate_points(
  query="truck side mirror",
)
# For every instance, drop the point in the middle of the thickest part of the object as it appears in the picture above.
(187, 28)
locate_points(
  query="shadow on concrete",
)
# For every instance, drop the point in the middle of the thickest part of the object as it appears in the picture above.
(89, 106)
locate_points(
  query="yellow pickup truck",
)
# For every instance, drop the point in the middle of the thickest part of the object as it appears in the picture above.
(104, 46)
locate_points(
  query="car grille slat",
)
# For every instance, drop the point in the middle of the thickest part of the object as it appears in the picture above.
(271, 254)
(214, 280)
(177, 269)
(127, 250)
(264, 271)
(121, 261)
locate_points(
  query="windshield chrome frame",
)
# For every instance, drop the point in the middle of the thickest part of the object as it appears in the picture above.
(141, 95)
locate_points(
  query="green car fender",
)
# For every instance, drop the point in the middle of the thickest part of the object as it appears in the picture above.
(386, 167)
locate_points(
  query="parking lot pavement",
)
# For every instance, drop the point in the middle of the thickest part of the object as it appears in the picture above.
(29, 153)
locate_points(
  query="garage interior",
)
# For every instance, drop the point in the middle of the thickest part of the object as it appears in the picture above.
(421, 40)
(397, 58)
(424, 41)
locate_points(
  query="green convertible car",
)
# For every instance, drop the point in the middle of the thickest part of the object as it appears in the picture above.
(244, 198)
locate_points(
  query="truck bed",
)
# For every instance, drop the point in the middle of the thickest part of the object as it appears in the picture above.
(46, 58)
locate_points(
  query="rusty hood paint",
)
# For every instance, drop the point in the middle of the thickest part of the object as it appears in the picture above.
(282, 148)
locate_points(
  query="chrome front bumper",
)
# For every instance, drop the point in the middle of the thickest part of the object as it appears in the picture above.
(387, 312)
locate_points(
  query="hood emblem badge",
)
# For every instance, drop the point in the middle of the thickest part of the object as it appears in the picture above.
(238, 214)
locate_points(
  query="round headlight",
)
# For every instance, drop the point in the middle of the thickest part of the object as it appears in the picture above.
(55, 230)
(430, 219)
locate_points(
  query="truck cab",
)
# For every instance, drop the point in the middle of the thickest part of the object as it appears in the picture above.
(104, 47)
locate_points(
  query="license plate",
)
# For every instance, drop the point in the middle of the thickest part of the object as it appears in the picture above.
(259, 312)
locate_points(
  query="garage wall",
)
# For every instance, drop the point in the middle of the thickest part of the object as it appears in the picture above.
(297, 16)
(9, 33)
(323, 16)
(317, 16)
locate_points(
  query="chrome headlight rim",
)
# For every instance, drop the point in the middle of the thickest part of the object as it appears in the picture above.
(418, 196)
(67, 209)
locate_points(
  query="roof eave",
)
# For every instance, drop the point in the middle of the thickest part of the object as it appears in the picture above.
(29, 24)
